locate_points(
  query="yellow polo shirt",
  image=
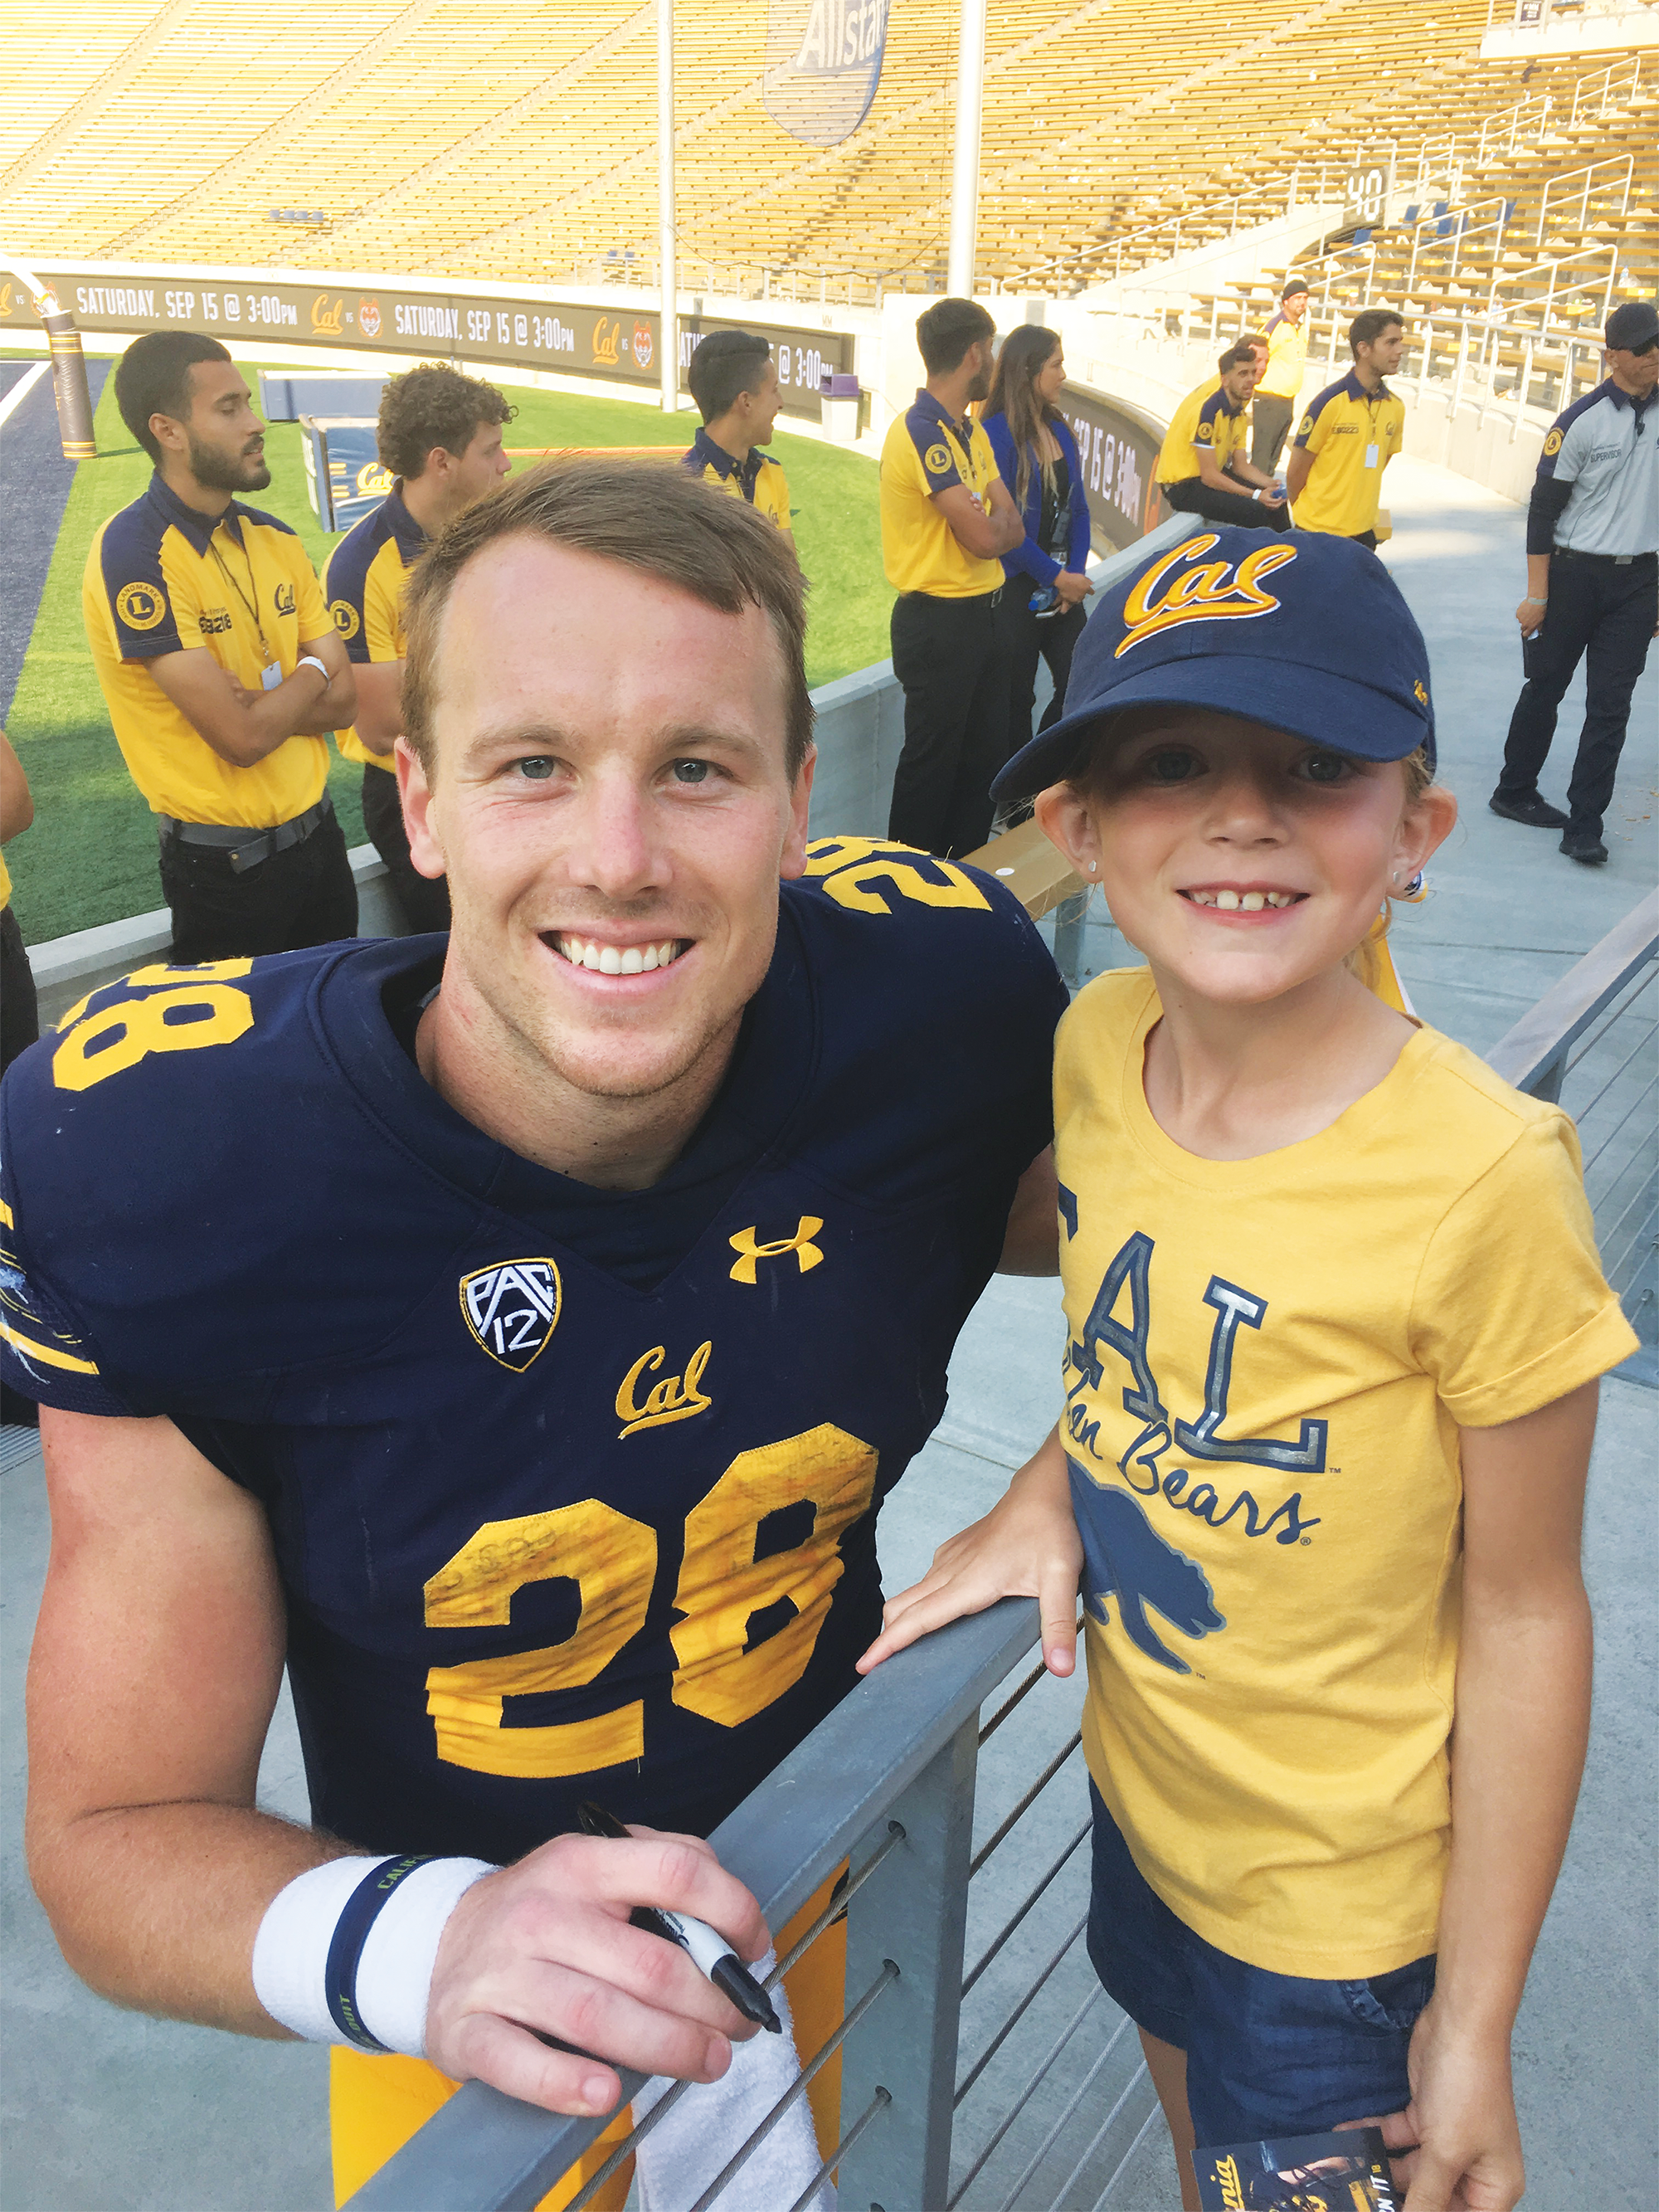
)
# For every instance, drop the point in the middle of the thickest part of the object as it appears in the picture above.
(925, 452)
(1287, 356)
(760, 480)
(162, 578)
(1352, 434)
(364, 583)
(1269, 1365)
(1205, 420)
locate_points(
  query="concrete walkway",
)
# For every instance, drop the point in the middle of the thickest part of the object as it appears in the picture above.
(107, 2112)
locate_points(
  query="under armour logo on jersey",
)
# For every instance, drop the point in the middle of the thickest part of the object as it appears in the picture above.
(749, 1253)
(1215, 593)
(512, 1309)
(674, 1399)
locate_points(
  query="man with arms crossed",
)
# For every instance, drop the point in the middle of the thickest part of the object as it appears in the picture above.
(440, 433)
(535, 1397)
(221, 671)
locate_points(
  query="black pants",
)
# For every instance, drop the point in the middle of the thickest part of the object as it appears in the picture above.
(425, 903)
(1192, 495)
(1271, 416)
(1025, 639)
(1604, 615)
(948, 657)
(306, 896)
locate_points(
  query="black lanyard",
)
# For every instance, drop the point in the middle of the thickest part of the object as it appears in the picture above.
(251, 604)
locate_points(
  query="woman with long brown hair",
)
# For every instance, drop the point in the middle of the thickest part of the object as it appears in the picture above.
(1041, 610)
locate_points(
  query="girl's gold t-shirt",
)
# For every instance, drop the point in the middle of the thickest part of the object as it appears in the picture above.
(1268, 1364)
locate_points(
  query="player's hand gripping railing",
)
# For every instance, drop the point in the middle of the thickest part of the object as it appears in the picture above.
(886, 1785)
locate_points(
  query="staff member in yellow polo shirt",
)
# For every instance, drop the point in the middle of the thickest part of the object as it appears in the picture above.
(1273, 409)
(946, 520)
(734, 381)
(219, 667)
(440, 433)
(1349, 436)
(1201, 468)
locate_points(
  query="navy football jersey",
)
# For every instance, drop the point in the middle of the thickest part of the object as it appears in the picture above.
(573, 1491)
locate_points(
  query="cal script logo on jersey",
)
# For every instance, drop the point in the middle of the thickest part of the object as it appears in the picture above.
(512, 1309)
(1219, 591)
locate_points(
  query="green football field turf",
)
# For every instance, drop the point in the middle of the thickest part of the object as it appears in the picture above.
(90, 856)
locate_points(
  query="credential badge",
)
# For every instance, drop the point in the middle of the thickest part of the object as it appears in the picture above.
(512, 1308)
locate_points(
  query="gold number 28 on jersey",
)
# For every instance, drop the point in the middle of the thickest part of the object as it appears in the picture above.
(613, 1558)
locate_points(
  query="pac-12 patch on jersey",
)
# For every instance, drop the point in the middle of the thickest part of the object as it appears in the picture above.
(512, 1309)
(562, 1483)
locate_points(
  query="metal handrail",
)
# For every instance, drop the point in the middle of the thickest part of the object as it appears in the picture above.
(1623, 164)
(484, 2152)
(1532, 1055)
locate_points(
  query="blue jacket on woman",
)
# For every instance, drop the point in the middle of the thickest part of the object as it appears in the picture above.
(1027, 559)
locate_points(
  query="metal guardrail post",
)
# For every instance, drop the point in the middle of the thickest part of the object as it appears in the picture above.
(914, 1912)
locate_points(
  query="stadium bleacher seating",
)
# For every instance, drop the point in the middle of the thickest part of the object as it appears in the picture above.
(533, 154)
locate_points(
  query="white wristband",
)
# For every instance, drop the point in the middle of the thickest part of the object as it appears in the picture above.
(1256, 494)
(394, 1971)
(310, 660)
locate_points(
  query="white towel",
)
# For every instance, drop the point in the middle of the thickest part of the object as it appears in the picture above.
(693, 2141)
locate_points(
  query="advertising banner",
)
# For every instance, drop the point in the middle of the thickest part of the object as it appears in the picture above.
(618, 344)
(1117, 448)
(823, 62)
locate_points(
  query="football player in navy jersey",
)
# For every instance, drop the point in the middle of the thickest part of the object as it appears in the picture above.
(515, 1334)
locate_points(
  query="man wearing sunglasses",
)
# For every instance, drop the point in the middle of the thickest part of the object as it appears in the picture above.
(1592, 585)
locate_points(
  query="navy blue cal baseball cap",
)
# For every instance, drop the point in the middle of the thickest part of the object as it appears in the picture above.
(1304, 632)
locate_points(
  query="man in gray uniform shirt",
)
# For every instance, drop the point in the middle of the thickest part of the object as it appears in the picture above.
(1592, 585)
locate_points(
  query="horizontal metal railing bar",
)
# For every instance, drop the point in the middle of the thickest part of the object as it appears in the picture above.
(484, 2152)
(1071, 2105)
(1640, 1099)
(1141, 2134)
(1546, 1031)
(1035, 2083)
(879, 2103)
(1616, 1014)
(1015, 2017)
(1004, 1710)
(1009, 1926)
(1024, 1804)
(1098, 2136)
(798, 2087)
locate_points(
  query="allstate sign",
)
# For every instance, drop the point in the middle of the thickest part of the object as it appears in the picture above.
(823, 63)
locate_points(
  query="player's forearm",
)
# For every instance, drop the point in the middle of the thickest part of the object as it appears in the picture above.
(1523, 1695)
(1297, 470)
(156, 1907)
(1538, 577)
(1248, 473)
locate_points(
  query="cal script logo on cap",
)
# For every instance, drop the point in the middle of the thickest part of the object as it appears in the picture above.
(1219, 591)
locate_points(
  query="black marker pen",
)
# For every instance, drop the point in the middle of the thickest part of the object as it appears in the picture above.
(708, 1951)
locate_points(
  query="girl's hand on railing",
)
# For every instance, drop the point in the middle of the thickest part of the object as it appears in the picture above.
(1027, 1546)
(544, 1949)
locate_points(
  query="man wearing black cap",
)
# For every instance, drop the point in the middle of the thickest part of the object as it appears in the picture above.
(1592, 585)
(1274, 408)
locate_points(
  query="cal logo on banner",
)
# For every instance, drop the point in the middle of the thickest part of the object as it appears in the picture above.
(822, 65)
